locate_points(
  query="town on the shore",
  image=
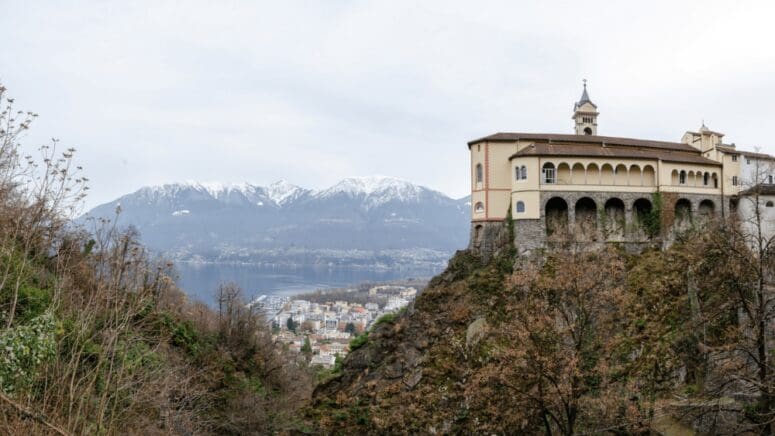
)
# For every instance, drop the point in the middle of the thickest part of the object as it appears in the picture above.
(323, 329)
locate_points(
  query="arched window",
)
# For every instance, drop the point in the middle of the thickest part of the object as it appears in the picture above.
(549, 175)
(479, 173)
(682, 178)
(769, 204)
(479, 207)
(520, 207)
(705, 179)
(517, 174)
(523, 170)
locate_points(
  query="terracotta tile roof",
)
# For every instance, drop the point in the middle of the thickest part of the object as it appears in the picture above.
(762, 189)
(585, 139)
(579, 150)
(727, 149)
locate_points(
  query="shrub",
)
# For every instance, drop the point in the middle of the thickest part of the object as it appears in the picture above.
(386, 318)
(23, 349)
(359, 341)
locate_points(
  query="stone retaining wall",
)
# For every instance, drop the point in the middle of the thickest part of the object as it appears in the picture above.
(608, 226)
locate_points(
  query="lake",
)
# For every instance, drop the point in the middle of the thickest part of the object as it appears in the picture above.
(200, 280)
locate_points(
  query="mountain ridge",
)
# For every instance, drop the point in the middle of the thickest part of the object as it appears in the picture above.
(387, 221)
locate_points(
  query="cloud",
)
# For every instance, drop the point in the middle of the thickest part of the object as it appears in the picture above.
(153, 92)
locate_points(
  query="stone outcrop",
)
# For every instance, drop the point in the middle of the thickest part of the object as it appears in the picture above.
(489, 238)
(409, 376)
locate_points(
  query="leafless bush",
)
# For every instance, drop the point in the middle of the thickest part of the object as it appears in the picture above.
(130, 354)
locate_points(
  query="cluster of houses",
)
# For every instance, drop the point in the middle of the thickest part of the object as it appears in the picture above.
(324, 330)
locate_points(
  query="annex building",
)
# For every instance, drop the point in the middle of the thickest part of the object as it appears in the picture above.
(592, 188)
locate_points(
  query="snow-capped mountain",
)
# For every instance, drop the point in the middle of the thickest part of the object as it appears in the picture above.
(282, 192)
(378, 190)
(380, 219)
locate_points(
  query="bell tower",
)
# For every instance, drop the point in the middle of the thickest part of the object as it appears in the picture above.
(585, 114)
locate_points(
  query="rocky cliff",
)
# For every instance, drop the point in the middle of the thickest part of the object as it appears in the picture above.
(572, 341)
(411, 375)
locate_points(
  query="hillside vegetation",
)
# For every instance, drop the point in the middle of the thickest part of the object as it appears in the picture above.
(572, 342)
(96, 339)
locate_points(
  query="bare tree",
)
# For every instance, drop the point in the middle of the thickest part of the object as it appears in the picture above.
(738, 264)
(557, 359)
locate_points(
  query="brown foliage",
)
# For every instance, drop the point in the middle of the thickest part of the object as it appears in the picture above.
(130, 353)
(553, 362)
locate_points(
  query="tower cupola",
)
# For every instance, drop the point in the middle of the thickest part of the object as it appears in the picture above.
(585, 114)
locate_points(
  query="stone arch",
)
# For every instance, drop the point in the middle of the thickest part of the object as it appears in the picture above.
(642, 215)
(556, 216)
(607, 175)
(593, 174)
(578, 174)
(563, 173)
(620, 175)
(649, 176)
(636, 177)
(674, 178)
(733, 204)
(707, 209)
(585, 213)
(614, 219)
(691, 180)
(683, 214)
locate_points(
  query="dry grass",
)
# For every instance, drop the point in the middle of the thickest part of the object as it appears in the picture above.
(126, 353)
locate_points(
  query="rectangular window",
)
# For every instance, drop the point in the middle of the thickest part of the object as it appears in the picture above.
(734, 180)
(747, 161)
(734, 158)
(548, 175)
(769, 179)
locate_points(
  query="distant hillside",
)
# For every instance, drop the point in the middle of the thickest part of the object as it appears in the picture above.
(371, 221)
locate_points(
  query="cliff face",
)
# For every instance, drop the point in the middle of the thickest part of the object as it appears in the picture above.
(412, 373)
(569, 341)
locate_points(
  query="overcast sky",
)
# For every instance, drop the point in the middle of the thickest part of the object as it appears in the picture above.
(161, 91)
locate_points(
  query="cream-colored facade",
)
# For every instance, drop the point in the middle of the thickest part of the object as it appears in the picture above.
(522, 170)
